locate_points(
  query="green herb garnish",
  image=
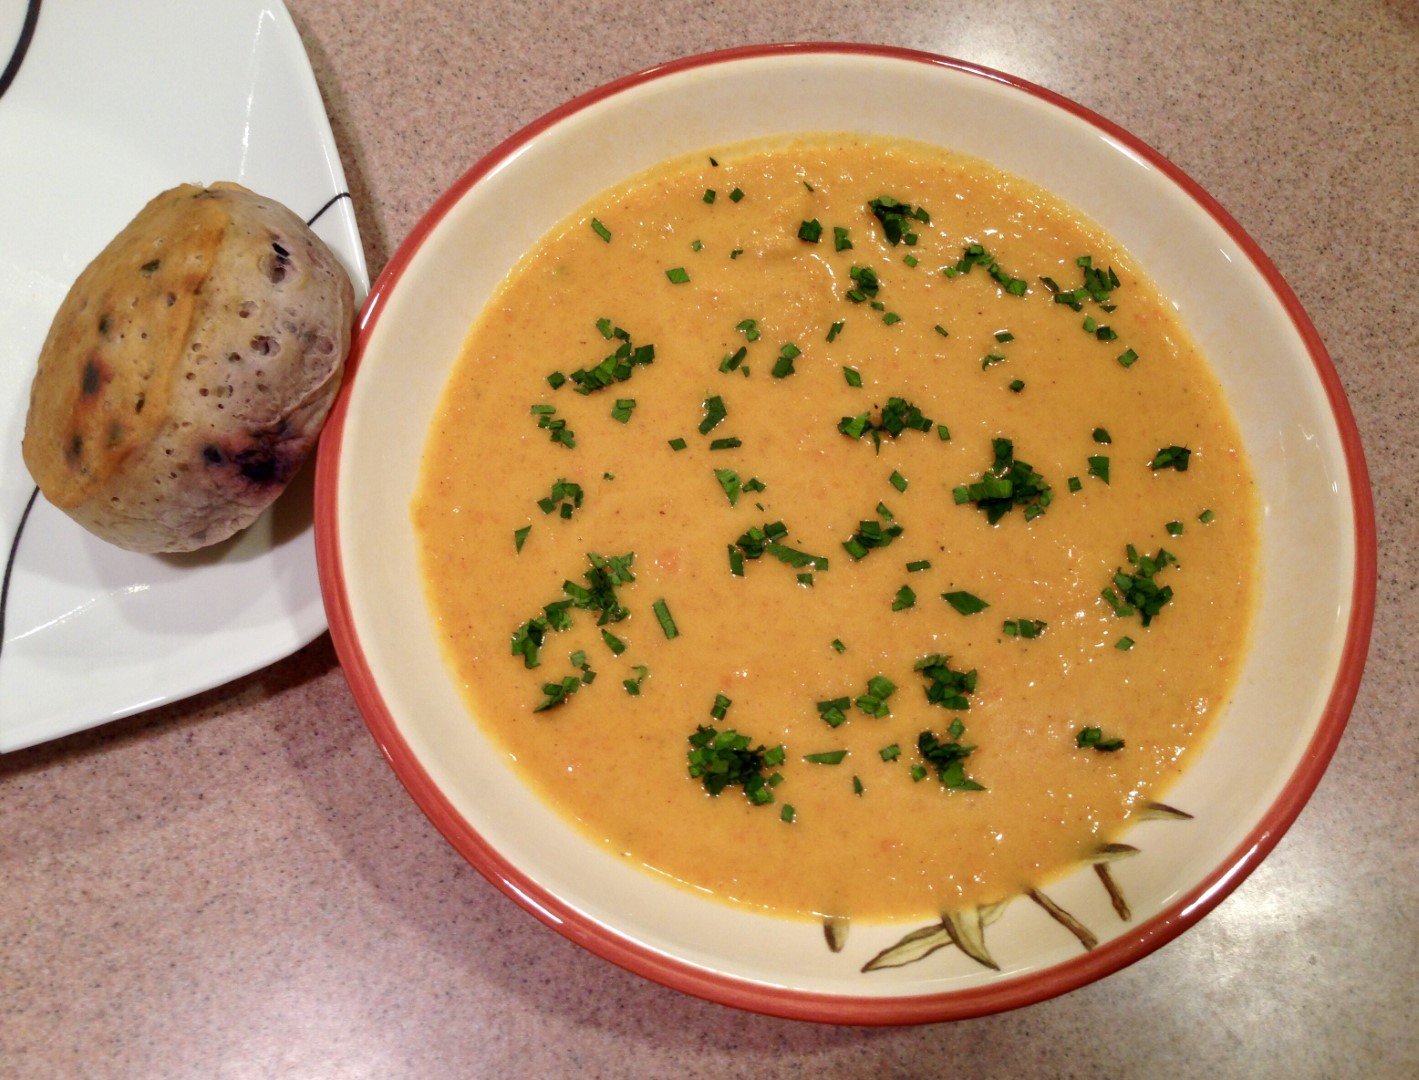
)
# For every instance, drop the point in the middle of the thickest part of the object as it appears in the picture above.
(948, 758)
(783, 366)
(721, 759)
(945, 686)
(1171, 457)
(906, 598)
(811, 231)
(1092, 738)
(874, 701)
(964, 602)
(1023, 628)
(566, 497)
(519, 537)
(662, 616)
(1008, 483)
(600, 230)
(1138, 592)
(677, 275)
(827, 757)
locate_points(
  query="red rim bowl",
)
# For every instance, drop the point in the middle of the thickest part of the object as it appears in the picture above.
(1009, 992)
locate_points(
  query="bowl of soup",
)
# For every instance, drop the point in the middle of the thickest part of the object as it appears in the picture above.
(846, 533)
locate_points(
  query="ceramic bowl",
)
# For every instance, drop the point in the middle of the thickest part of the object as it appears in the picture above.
(1317, 537)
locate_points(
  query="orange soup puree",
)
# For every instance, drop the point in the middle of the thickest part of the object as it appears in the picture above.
(857, 391)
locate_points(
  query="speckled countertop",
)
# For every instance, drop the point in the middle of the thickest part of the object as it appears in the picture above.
(237, 885)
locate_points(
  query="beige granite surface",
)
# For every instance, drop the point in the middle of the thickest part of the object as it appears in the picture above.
(237, 885)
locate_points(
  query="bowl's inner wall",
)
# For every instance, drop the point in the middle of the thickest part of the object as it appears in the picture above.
(1260, 358)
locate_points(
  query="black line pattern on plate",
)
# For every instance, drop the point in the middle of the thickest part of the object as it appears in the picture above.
(12, 68)
(329, 203)
(10, 564)
(21, 47)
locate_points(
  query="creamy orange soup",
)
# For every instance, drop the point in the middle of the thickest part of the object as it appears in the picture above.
(869, 406)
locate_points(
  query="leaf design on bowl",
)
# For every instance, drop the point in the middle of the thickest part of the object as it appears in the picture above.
(966, 929)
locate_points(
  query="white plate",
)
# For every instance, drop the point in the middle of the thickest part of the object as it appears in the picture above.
(111, 104)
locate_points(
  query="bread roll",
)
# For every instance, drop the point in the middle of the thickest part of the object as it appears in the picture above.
(188, 370)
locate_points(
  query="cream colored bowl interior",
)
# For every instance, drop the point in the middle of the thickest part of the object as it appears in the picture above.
(1308, 528)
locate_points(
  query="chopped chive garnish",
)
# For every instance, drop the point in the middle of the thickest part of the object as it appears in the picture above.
(891, 318)
(714, 413)
(943, 433)
(720, 708)
(1099, 466)
(678, 444)
(906, 598)
(749, 328)
(1023, 628)
(853, 376)
(841, 240)
(788, 813)
(1016, 385)
(964, 602)
(941, 330)
(1128, 358)
(783, 366)
(897, 480)
(918, 773)
(736, 252)
(834, 331)
(556, 379)
(1101, 436)
(557, 693)
(827, 757)
(811, 231)
(615, 644)
(948, 758)
(600, 230)
(989, 360)
(874, 701)
(621, 412)
(677, 275)
(519, 536)
(909, 260)
(1137, 592)
(557, 429)
(734, 359)
(945, 686)
(918, 565)
(1003, 336)
(726, 444)
(736, 195)
(1171, 457)
(890, 753)
(1124, 644)
(857, 788)
(896, 218)
(633, 685)
(872, 534)
(1175, 528)
(976, 255)
(565, 498)
(837, 645)
(697, 245)
(606, 328)
(729, 481)
(721, 759)
(1075, 484)
(1206, 517)
(662, 616)
(708, 196)
(834, 712)
(897, 416)
(1008, 483)
(1092, 738)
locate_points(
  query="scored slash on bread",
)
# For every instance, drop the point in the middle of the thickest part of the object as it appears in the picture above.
(189, 370)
